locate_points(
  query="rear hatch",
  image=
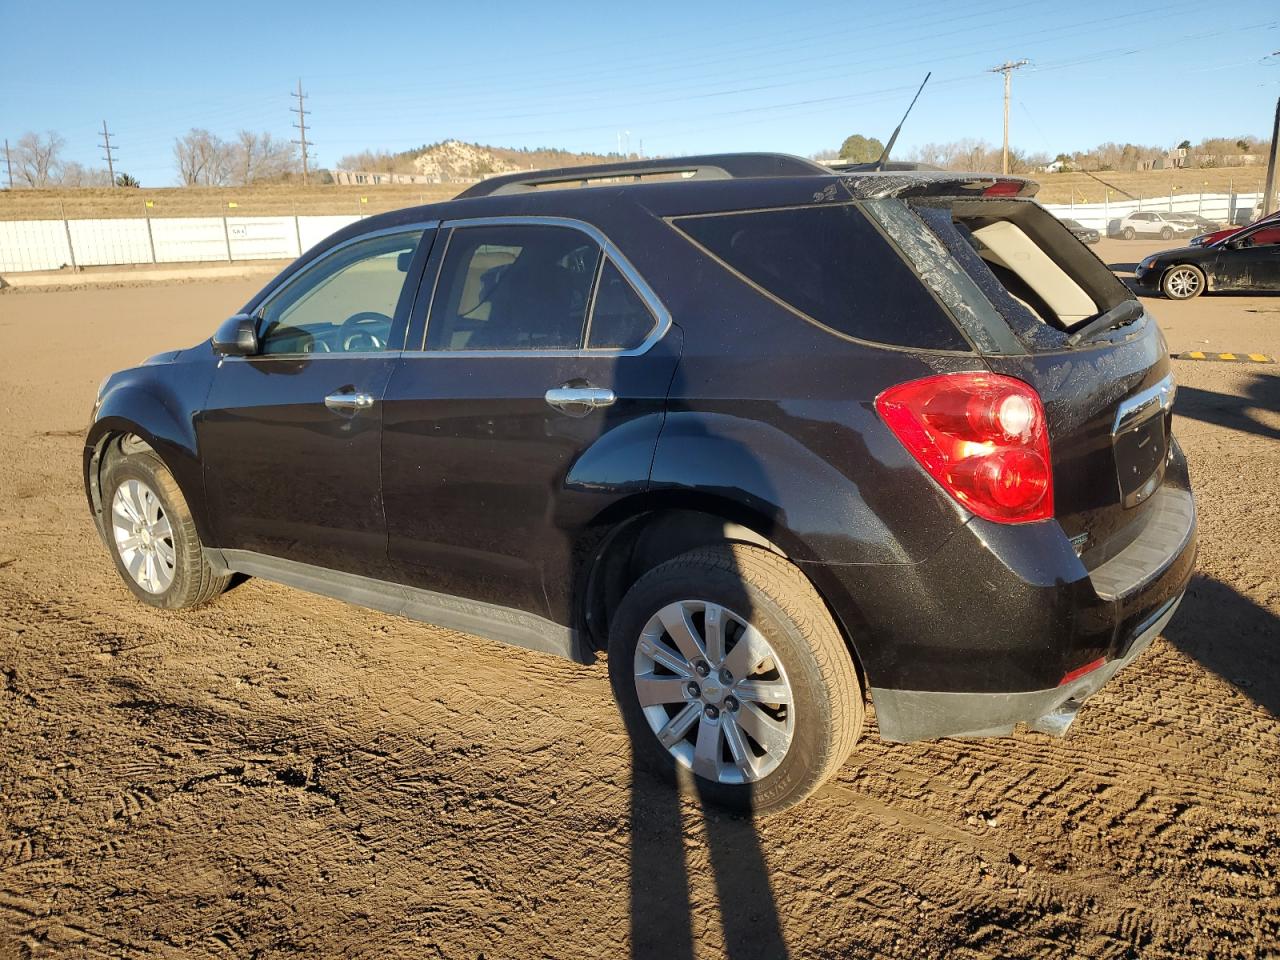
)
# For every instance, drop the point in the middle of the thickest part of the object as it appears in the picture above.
(1041, 307)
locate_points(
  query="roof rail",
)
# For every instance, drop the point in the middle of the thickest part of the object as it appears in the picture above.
(713, 166)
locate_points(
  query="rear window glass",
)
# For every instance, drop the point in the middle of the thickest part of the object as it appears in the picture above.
(1042, 280)
(830, 264)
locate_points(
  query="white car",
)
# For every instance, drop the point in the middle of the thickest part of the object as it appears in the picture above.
(1149, 223)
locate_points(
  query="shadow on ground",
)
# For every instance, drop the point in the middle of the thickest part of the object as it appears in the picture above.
(1232, 410)
(662, 914)
(1232, 636)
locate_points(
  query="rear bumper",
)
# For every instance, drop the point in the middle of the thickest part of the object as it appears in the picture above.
(907, 715)
(982, 635)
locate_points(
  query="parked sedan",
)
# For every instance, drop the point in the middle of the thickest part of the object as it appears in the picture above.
(1083, 234)
(1207, 238)
(1246, 260)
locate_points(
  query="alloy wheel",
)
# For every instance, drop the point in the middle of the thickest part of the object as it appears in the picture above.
(143, 536)
(1183, 283)
(714, 692)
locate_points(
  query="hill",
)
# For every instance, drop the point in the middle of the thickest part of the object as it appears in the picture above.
(455, 161)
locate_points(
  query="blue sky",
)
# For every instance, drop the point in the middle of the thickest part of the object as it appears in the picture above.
(681, 77)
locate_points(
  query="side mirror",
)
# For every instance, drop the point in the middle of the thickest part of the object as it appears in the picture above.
(237, 337)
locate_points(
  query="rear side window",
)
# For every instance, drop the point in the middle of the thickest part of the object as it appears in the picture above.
(620, 319)
(513, 288)
(830, 264)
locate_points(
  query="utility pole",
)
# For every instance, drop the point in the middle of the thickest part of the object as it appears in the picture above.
(302, 112)
(1268, 198)
(8, 162)
(1007, 69)
(106, 145)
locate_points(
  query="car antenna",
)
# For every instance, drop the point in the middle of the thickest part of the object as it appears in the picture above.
(884, 157)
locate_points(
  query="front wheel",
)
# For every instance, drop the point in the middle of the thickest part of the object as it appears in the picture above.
(153, 538)
(1182, 282)
(725, 662)
(1166, 233)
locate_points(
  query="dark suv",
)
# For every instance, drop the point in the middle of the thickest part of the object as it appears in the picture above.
(774, 437)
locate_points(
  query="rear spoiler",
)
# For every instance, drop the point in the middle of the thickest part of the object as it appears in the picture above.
(942, 183)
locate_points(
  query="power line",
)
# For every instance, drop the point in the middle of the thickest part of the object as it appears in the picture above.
(106, 145)
(1007, 69)
(302, 112)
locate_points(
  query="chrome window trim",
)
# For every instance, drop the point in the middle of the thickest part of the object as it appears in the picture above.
(306, 357)
(284, 282)
(662, 316)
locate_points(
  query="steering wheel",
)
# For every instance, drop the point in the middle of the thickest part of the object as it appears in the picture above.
(358, 332)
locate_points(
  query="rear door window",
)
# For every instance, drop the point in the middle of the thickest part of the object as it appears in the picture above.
(831, 265)
(620, 319)
(513, 287)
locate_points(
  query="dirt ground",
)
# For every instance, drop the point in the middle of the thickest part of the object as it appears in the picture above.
(279, 775)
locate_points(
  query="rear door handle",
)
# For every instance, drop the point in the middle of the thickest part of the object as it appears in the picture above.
(579, 401)
(348, 402)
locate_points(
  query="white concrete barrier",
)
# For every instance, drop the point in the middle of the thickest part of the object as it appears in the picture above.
(52, 244)
(27, 245)
(34, 245)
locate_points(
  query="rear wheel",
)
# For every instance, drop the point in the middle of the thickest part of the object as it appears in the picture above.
(153, 538)
(726, 663)
(1182, 282)
(1128, 233)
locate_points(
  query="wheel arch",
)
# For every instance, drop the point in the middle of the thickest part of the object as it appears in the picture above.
(116, 434)
(638, 534)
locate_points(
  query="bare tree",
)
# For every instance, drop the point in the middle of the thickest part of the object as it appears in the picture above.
(203, 159)
(376, 161)
(37, 159)
(260, 156)
(73, 174)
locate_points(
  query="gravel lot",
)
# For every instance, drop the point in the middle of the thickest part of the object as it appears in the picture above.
(280, 775)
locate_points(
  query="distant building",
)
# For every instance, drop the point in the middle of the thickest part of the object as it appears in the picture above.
(366, 178)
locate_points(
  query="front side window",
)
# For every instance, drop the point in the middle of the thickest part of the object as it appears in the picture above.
(513, 287)
(344, 303)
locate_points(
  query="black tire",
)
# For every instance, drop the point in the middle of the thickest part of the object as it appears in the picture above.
(1128, 233)
(1183, 281)
(1166, 233)
(194, 582)
(777, 600)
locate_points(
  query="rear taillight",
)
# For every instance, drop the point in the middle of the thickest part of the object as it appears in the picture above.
(982, 436)
(1004, 188)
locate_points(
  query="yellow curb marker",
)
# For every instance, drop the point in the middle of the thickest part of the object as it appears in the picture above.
(1226, 357)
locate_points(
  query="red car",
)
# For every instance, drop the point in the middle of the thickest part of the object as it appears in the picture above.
(1205, 239)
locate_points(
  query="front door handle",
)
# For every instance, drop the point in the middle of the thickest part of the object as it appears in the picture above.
(348, 402)
(579, 401)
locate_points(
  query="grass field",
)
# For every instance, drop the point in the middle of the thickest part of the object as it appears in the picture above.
(289, 199)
